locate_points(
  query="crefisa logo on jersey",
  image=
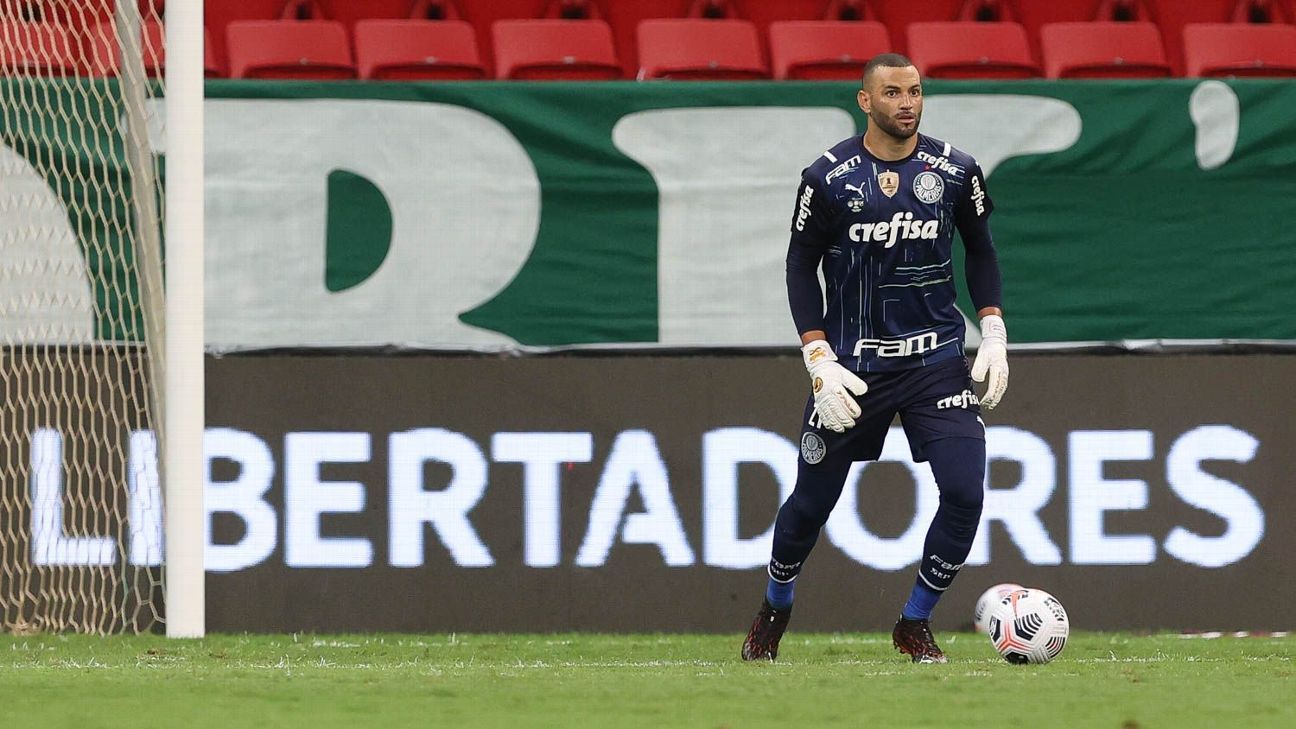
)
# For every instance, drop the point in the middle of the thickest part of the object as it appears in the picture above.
(803, 209)
(941, 163)
(902, 226)
(978, 195)
(962, 400)
(928, 186)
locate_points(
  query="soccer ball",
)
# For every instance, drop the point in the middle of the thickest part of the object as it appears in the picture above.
(987, 599)
(1028, 626)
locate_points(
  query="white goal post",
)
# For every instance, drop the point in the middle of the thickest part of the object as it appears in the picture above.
(101, 413)
(185, 383)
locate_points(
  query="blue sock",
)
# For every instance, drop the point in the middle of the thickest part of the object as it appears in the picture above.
(779, 594)
(921, 602)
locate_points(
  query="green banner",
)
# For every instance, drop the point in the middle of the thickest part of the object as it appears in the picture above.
(499, 215)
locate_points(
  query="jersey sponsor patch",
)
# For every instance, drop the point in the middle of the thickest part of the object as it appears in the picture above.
(928, 187)
(941, 163)
(803, 208)
(813, 448)
(842, 169)
(902, 226)
(978, 195)
(962, 400)
(917, 344)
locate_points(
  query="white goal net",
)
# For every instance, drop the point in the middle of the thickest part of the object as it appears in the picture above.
(80, 317)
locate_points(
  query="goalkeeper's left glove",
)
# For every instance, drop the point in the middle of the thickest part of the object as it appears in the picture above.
(992, 357)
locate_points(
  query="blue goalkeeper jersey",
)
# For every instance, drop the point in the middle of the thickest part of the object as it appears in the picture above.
(883, 232)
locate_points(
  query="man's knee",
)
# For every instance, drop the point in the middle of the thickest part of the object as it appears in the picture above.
(801, 514)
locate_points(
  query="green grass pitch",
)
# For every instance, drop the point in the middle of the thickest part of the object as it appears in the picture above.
(574, 680)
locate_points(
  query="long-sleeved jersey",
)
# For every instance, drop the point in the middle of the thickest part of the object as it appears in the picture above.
(883, 232)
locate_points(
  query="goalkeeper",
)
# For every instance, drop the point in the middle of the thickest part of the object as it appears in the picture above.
(878, 214)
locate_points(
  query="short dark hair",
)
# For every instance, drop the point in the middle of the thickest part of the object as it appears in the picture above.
(887, 60)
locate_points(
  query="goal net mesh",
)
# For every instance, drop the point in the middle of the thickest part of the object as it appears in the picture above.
(80, 316)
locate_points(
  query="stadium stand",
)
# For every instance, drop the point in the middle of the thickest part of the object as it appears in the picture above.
(1172, 15)
(1239, 49)
(407, 50)
(571, 50)
(289, 49)
(968, 49)
(811, 50)
(1103, 50)
(802, 39)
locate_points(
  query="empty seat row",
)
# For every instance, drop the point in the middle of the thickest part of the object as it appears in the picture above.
(421, 50)
(730, 50)
(624, 16)
(676, 49)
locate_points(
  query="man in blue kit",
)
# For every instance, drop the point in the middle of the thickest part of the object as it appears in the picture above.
(878, 213)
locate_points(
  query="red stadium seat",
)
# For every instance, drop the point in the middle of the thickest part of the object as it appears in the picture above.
(898, 15)
(483, 14)
(824, 49)
(625, 15)
(218, 14)
(104, 51)
(39, 49)
(289, 49)
(1238, 49)
(690, 49)
(1103, 50)
(1172, 15)
(388, 50)
(971, 50)
(530, 50)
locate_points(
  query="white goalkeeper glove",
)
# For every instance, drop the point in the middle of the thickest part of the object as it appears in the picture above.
(832, 385)
(992, 357)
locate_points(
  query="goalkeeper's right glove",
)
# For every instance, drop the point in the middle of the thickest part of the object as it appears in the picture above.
(832, 385)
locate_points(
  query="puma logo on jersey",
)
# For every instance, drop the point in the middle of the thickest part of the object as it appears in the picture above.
(902, 226)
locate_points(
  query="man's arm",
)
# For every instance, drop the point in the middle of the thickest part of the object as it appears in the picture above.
(831, 383)
(810, 237)
(985, 283)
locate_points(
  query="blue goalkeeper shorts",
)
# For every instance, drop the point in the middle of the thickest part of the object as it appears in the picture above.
(933, 402)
